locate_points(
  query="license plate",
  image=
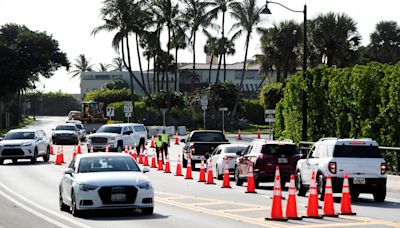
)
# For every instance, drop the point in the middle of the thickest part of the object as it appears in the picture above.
(282, 160)
(359, 181)
(118, 197)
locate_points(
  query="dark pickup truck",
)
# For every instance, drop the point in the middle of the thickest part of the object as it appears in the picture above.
(201, 144)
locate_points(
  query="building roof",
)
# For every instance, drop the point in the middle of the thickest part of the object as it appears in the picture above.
(206, 66)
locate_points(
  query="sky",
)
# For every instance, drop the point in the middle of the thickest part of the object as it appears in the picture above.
(71, 22)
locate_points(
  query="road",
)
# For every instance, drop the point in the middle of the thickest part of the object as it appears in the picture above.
(29, 198)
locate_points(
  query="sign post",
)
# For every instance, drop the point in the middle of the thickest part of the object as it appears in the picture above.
(223, 110)
(270, 118)
(110, 112)
(128, 109)
(204, 104)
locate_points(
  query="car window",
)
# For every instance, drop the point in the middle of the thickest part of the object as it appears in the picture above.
(208, 137)
(72, 164)
(315, 152)
(79, 126)
(279, 149)
(109, 129)
(218, 152)
(107, 164)
(139, 128)
(357, 151)
(43, 133)
(66, 127)
(246, 151)
(20, 135)
(126, 129)
(233, 150)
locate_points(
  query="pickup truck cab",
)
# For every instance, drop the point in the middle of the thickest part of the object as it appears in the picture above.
(200, 144)
(359, 158)
(116, 136)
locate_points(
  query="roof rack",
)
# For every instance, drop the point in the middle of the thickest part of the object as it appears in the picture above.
(327, 138)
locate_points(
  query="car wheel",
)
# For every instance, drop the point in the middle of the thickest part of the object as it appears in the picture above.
(238, 181)
(148, 210)
(1, 161)
(74, 211)
(62, 205)
(321, 186)
(219, 176)
(301, 190)
(14, 160)
(46, 157)
(184, 162)
(354, 195)
(256, 183)
(193, 164)
(380, 195)
(34, 158)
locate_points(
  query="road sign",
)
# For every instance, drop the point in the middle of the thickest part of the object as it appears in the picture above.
(204, 101)
(269, 115)
(270, 111)
(110, 111)
(128, 107)
(223, 109)
(128, 114)
(204, 107)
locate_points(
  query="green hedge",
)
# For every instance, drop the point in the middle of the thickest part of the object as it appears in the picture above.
(49, 103)
(110, 96)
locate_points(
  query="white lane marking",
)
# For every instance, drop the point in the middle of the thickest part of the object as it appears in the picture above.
(32, 211)
(45, 209)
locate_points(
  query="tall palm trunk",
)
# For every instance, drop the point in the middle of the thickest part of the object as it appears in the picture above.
(148, 73)
(224, 67)
(131, 78)
(235, 107)
(176, 69)
(209, 71)
(168, 51)
(194, 54)
(222, 46)
(154, 73)
(139, 59)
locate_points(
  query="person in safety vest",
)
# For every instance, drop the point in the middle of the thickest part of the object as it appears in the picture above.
(165, 143)
(159, 147)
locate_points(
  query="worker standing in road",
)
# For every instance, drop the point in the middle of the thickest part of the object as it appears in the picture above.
(165, 143)
(159, 147)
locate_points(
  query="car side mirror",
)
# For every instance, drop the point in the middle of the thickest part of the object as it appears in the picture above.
(146, 169)
(183, 140)
(69, 171)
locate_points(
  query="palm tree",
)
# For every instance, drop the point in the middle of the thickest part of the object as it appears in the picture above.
(118, 64)
(81, 64)
(103, 67)
(221, 5)
(179, 41)
(228, 49)
(121, 16)
(385, 42)
(211, 49)
(195, 16)
(247, 14)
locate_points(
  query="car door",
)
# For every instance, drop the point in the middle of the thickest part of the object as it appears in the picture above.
(126, 136)
(215, 159)
(311, 164)
(39, 142)
(67, 182)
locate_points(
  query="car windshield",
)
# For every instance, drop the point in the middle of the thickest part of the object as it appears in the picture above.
(234, 150)
(139, 128)
(107, 164)
(19, 135)
(109, 129)
(208, 137)
(278, 149)
(79, 126)
(357, 151)
(66, 128)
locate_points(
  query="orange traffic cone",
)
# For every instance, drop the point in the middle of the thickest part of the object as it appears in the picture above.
(160, 163)
(51, 149)
(291, 206)
(152, 142)
(167, 165)
(210, 175)
(179, 167)
(329, 209)
(227, 180)
(251, 188)
(345, 203)
(176, 139)
(312, 208)
(107, 148)
(258, 134)
(153, 160)
(276, 210)
(74, 152)
(239, 137)
(135, 153)
(202, 176)
(62, 154)
(79, 147)
(141, 155)
(189, 168)
(58, 157)
(146, 158)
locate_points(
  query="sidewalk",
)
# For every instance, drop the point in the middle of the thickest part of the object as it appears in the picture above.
(393, 183)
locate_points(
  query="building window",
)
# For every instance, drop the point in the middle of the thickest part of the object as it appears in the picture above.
(251, 74)
(116, 77)
(238, 74)
(103, 77)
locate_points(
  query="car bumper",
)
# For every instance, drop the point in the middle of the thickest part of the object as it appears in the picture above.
(102, 146)
(371, 185)
(65, 138)
(16, 152)
(269, 177)
(91, 200)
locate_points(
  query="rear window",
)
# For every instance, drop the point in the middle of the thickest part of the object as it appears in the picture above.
(276, 149)
(344, 151)
(139, 128)
(233, 150)
(208, 137)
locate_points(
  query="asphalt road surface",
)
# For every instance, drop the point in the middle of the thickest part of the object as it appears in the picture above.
(29, 198)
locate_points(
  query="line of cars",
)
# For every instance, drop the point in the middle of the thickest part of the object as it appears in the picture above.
(359, 158)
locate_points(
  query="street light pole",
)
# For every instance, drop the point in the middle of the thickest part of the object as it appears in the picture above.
(266, 10)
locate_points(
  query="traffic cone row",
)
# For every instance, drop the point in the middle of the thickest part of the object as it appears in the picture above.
(74, 152)
(153, 160)
(167, 165)
(251, 188)
(227, 180)
(210, 176)
(202, 175)
(152, 144)
(276, 210)
(146, 158)
(176, 138)
(189, 168)
(179, 167)
(160, 162)
(51, 149)
(312, 207)
(140, 156)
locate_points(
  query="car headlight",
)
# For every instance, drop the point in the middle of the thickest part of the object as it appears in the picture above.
(27, 144)
(87, 187)
(146, 186)
(111, 139)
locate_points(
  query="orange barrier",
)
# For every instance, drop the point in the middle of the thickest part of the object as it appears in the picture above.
(276, 210)
(291, 206)
(345, 203)
(227, 181)
(312, 208)
(251, 188)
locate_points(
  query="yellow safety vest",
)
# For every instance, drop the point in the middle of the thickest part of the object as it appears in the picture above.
(164, 138)
(158, 142)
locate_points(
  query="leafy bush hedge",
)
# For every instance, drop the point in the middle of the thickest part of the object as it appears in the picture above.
(109, 96)
(49, 103)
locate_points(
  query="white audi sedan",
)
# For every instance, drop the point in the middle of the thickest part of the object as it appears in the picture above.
(105, 181)
(221, 154)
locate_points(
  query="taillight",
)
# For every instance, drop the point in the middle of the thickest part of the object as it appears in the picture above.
(383, 168)
(192, 149)
(261, 156)
(332, 167)
(225, 158)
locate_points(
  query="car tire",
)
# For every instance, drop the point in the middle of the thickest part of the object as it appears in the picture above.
(321, 186)
(147, 210)
(238, 181)
(354, 195)
(74, 211)
(46, 157)
(256, 183)
(184, 162)
(34, 157)
(219, 176)
(62, 205)
(380, 195)
(1, 161)
(301, 190)
(14, 160)
(193, 164)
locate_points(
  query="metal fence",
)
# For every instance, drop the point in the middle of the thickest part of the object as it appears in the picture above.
(390, 154)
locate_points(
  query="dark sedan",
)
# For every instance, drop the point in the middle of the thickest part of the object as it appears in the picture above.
(65, 133)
